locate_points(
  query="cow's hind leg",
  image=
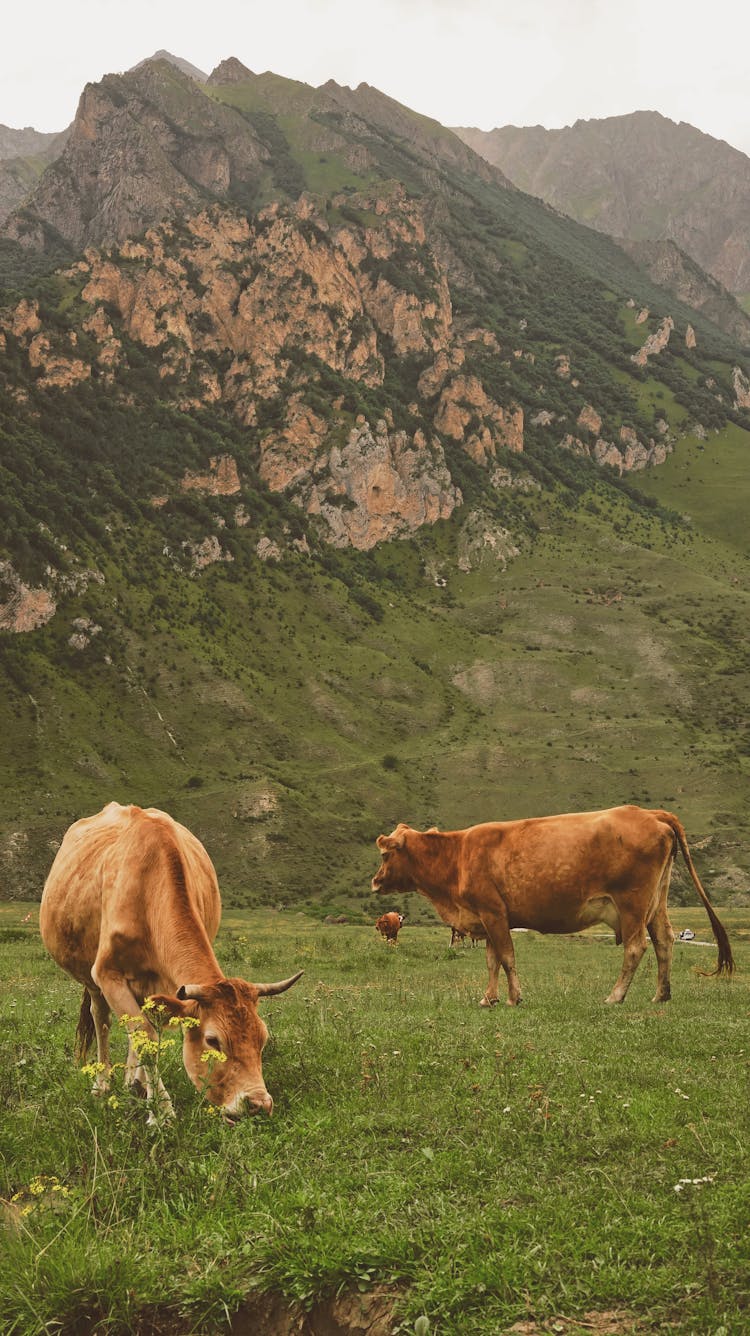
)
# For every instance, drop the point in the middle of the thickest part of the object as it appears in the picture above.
(635, 939)
(661, 934)
(500, 952)
(101, 1016)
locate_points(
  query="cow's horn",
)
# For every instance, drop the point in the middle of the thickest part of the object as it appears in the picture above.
(190, 992)
(271, 989)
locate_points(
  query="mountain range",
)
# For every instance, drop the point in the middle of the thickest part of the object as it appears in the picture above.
(641, 177)
(345, 482)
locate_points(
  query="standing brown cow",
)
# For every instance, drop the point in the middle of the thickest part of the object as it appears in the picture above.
(130, 909)
(389, 925)
(553, 874)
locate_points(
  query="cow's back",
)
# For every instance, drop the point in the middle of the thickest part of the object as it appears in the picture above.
(123, 867)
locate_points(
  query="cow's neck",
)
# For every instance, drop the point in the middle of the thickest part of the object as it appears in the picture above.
(437, 858)
(191, 956)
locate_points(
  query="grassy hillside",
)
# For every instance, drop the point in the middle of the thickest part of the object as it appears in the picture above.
(289, 713)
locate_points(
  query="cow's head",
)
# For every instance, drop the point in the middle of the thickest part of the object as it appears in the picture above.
(395, 872)
(222, 1053)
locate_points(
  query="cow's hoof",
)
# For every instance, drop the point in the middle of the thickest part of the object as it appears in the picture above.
(489, 1002)
(667, 998)
(514, 1002)
(613, 1001)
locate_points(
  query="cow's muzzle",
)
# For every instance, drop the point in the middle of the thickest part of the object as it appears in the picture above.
(244, 1106)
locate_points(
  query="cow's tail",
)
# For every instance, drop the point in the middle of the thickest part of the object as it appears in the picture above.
(725, 963)
(85, 1029)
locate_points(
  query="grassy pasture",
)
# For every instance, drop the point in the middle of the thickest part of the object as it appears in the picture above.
(486, 1168)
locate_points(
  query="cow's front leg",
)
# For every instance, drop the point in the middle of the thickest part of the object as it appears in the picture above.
(500, 951)
(120, 997)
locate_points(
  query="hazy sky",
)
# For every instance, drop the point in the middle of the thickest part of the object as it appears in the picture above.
(465, 62)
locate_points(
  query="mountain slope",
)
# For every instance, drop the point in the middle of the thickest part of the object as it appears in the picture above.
(24, 156)
(320, 515)
(642, 177)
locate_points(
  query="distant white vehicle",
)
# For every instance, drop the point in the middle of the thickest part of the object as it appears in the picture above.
(687, 935)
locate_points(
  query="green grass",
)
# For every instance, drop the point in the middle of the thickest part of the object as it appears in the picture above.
(707, 480)
(485, 1167)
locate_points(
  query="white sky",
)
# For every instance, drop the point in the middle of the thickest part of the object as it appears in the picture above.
(465, 62)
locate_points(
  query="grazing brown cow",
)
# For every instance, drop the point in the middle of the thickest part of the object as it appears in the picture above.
(130, 909)
(552, 874)
(388, 925)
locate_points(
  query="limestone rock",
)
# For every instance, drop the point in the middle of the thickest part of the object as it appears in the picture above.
(741, 387)
(467, 414)
(205, 553)
(267, 550)
(482, 539)
(84, 631)
(628, 455)
(655, 343)
(589, 420)
(25, 319)
(22, 607)
(690, 339)
(378, 485)
(222, 478)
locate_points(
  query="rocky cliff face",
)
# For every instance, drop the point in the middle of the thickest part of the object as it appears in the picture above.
(638, 176)
(242, 314)
(143, 146)
(246, 315)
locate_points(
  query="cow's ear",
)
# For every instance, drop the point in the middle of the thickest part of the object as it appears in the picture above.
(162, 1004)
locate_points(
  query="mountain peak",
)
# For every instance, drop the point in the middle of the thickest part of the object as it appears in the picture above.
(230, 71)
(192, 71)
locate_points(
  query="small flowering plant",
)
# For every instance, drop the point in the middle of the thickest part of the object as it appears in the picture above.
(44, 1192)
(151, 1037)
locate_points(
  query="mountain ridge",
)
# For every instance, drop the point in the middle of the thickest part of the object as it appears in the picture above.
(641, 176)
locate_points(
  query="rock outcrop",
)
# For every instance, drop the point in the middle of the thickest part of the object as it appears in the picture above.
(22, 607)
(672, 268)
(378, 484)
(655, 343)
(628, 455)
(741, 387)
(222, 479)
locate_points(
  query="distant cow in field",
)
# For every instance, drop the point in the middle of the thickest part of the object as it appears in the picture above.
(457, 936)
(130, 909)
(554, 874)
(389, 925)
